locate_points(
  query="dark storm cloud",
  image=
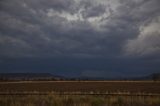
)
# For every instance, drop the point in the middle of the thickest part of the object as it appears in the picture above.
(116, 30)
(91, 10)
(43, 24)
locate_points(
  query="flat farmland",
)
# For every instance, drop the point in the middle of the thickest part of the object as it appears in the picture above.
(149, 87)
(80, 93)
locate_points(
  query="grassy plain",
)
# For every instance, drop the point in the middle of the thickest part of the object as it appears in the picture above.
(80, 93)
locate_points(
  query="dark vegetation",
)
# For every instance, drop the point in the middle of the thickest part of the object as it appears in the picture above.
(28, 77)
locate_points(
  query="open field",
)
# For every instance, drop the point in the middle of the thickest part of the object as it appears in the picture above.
(82, 86)
(80, 93)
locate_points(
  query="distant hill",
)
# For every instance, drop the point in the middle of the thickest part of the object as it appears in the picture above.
(48, 76)
(28, 76)
(154, 76)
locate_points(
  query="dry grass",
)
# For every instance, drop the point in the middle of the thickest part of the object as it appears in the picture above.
(74, 100)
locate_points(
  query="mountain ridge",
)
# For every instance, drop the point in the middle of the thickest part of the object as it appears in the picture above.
(49, 76)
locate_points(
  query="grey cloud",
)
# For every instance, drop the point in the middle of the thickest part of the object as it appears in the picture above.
(140, 14)
(147, 42)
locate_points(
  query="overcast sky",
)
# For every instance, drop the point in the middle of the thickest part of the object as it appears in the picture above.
(89, 38)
